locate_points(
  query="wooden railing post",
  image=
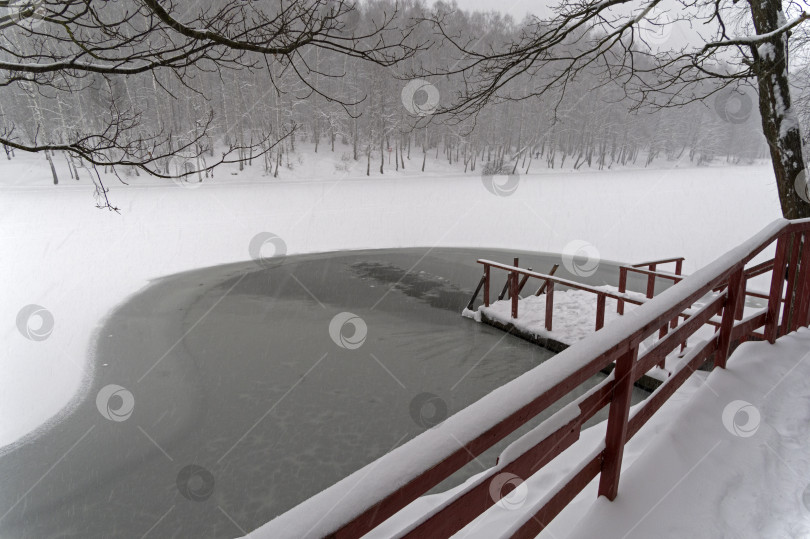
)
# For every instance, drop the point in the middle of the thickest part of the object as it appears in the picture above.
(616, 434)
(802, 288)
(486, 285)
(622, 289)
(678, 267)
(739, 308)
(777, 285)
(600, 311)
(513, 293)
(651, 282)
(549, 303)
(661, 334)
(793, 263)
(727, 324)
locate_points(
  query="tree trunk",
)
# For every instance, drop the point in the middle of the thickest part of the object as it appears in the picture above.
(53, 168)
(779, 123)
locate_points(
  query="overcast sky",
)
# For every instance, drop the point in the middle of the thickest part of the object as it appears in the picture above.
(517, 8)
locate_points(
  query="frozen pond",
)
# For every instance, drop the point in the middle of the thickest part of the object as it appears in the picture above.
(219, 399)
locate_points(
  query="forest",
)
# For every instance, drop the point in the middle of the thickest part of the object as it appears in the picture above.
(258, 108)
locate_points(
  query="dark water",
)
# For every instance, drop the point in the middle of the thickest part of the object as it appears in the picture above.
(232, 402)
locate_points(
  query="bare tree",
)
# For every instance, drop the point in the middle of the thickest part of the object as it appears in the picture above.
(607, 40)
(96, 51)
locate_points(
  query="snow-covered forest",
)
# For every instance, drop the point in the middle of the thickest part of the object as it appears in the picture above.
(267, 104)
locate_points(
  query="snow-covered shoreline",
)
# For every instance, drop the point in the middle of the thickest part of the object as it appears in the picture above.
(79, 262)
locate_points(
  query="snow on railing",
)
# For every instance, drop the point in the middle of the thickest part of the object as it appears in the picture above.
(362, 501)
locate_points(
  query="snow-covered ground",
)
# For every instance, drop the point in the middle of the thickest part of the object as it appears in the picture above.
(574, 316)
(732, 462)
(78, 262)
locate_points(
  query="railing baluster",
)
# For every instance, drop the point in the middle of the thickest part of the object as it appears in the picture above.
(739, 308)
(618, 416)
(600, 311)
(777, 285)
(651, 282)
(622, 289)
(791, 283)
(514, 293)
(727, 324)
(803, 291)
(549, 303)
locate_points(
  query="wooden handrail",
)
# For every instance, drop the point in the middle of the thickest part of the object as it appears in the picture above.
(663, 261)
(559, 280)
(663, 274)
(357, 504)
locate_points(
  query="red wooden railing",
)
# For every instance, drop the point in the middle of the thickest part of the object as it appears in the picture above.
(549, 281)
(651, 274)
(361, 502)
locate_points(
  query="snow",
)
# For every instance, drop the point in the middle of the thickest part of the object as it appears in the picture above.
(574, 313)
(748, 484)
(766, 51)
